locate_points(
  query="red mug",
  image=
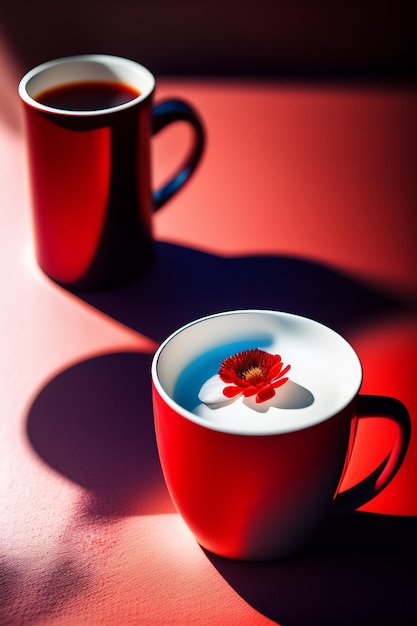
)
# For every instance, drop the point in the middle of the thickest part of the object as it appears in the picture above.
(89, 122)
(253, 471)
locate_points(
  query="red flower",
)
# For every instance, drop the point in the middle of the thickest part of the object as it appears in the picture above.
(253, 372)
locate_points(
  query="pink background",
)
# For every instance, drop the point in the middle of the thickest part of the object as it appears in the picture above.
(305, 201)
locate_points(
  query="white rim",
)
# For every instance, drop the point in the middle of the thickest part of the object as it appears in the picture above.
(279, 429)
(83, 67)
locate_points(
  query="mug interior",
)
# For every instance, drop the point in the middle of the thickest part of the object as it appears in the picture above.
(324, 378)
(84, 68)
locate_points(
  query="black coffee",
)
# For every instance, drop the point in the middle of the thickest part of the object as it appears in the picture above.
(88, 96)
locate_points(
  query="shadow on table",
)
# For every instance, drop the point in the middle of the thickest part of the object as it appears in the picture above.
(93, 424)
(36, 598)
(186, 284)
(359, 569)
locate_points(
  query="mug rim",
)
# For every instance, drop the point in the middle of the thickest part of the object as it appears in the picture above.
(104, 59)
(205, 423)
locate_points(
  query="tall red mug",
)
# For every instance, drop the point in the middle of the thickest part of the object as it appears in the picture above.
(90, 168)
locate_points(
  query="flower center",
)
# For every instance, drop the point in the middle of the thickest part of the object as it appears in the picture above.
(253, 374)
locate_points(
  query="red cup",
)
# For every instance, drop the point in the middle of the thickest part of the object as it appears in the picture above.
(89, 123)
(251, 481)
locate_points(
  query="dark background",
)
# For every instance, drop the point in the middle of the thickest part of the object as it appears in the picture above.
(329, 40)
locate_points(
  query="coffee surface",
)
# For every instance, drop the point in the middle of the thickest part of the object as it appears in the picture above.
(88, 96)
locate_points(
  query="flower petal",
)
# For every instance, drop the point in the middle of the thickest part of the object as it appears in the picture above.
(227, 376)
(231, 392)
(285, 370)
(266, 393)
(275, 370)
(279, 382)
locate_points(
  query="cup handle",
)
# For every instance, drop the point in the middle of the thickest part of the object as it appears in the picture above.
(368, 488)
(164, 113)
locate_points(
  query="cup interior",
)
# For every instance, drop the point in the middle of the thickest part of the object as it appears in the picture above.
(325, 372)
(84, 68)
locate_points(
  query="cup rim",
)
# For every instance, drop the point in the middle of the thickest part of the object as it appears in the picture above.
(192, 417)
(82, 58)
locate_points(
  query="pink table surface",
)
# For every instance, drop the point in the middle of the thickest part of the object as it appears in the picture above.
(305, 201)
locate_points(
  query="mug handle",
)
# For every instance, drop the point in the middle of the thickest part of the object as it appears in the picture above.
(368, 488)
(164, 113)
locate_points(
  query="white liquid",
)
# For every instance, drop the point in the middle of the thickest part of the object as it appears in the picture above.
(308, 397)
(325, 372)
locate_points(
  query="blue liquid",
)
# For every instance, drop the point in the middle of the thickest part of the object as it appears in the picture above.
(207, 365)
